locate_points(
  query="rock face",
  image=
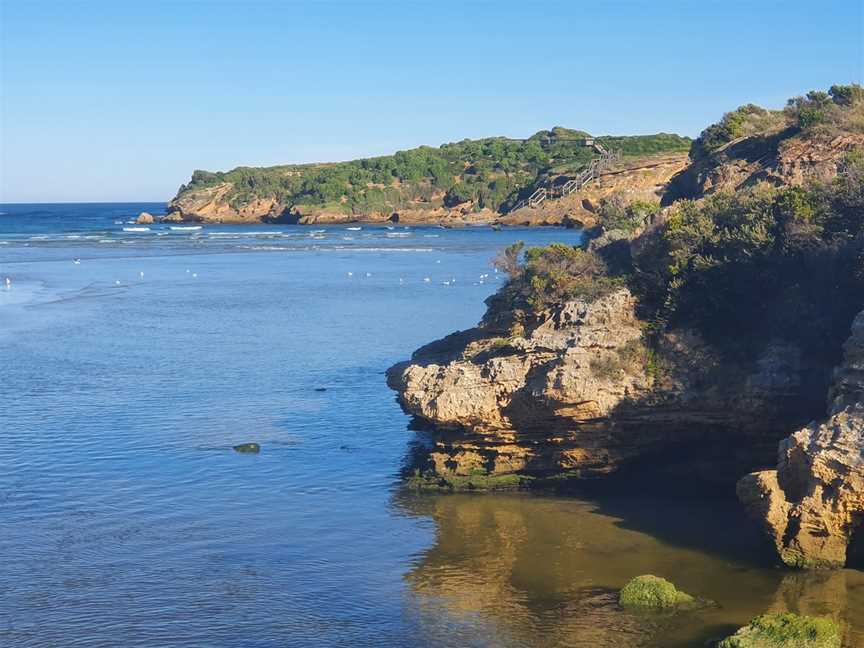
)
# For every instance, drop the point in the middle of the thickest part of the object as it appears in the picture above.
(211, 205)
(574, 393)
(812, 505)
(778, 158)
(634, 179)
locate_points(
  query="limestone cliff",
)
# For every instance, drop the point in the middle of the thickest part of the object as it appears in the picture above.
(573, 392)
(212, 205)
(782, 158)
(812, 505)
(643, 179)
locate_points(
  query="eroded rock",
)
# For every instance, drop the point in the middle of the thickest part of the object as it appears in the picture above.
(812, 505)
(574, 392)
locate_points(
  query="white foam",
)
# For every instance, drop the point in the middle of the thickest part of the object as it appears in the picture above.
(136, 229)
(185, 228)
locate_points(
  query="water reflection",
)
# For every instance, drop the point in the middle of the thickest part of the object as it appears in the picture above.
(520, 570)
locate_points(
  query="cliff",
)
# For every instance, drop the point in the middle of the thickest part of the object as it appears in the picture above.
(812, 505)
(782, 158)
(472, 181)
(642, 179)
(575, 393)
(685, 341)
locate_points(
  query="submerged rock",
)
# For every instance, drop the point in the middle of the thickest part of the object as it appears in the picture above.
(653, 592)
(812, 505)
(786, 631)
(247, 448)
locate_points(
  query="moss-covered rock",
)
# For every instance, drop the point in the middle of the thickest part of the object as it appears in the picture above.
(476, 481)
(786, 631)
(247, 448)
(653, 592)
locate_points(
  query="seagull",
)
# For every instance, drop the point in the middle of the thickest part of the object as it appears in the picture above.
(117, 282)
(368, 274)
(141, 274)
(76, 261)
(350, 274)
(195, 274)
(8, 282)
(426, 279)
(438, 261)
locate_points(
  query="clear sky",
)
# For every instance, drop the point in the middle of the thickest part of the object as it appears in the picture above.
(113, 101)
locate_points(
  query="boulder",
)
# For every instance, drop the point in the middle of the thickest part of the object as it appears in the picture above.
(145, 219)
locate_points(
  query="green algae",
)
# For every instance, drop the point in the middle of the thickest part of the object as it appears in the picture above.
(653, 592)
(786, 631)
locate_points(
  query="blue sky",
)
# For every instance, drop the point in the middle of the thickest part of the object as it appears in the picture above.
(111, 101)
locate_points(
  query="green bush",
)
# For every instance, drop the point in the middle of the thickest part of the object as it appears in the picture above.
(841, 109)
(552, 275)
(749, 119)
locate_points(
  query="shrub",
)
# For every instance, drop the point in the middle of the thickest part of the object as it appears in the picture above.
(616, 212)
(551, 275)
(749, 119)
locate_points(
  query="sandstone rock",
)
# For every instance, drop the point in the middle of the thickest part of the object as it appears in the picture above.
(643, 178)
(173, 217)
(570, 393)
(776, 158)
(145, 219)
(813, 504)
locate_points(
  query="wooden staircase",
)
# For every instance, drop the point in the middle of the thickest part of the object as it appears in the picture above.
(598, 165)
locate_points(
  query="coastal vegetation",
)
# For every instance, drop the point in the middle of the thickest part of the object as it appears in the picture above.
(778, 262)
(493, 173)
(839, 110)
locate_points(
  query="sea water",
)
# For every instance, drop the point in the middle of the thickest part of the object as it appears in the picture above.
(126, 519)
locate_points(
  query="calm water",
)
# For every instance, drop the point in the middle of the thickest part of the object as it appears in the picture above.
(126, 518)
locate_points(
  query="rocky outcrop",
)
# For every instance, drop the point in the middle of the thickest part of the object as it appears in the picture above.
(145, 219)
(632, 179)
(812, 505)
(781, 158)
(212, 205)
(575, 393)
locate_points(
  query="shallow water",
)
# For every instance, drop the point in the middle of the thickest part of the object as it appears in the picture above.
(126, 518)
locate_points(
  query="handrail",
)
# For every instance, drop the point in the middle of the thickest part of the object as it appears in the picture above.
(595, 167)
